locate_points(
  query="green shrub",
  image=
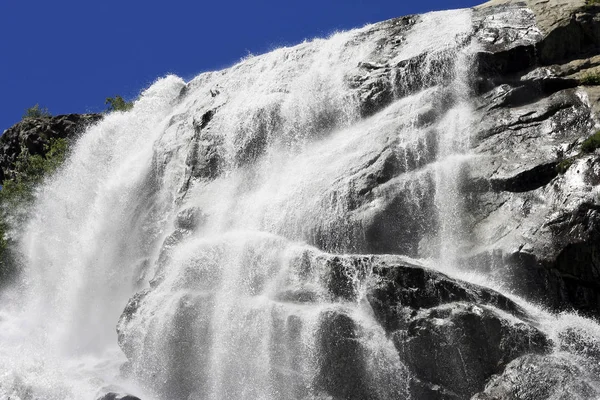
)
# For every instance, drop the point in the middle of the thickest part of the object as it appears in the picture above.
(17, 195)
(117, 103)
(564, 165)
(592, 143)
(30, 170)
(7, 262)
(590, 79)
(36, 112)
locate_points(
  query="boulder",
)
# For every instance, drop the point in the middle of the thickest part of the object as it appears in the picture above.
(451, 335)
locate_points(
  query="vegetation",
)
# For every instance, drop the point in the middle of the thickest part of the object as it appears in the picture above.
(18, 193)
(117, 103)
(592, 143)
(30, 170)
(591, 3)
(591, 79)
(36, 112)
(564, 165)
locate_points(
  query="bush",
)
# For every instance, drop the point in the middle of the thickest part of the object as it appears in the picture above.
(36, 112)
(592, 143)
(32, 169)
(590, 79)
(117, 103)
(564, 165)
(17, 195)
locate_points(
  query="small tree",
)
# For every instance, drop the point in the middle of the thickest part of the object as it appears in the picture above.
(117, 103)
(36, 112)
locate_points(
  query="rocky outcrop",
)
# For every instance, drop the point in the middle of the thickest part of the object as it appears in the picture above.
(533, 222)
(33, 134)
(449, 335)
(281, 260)
(562, 377)
(487, 175)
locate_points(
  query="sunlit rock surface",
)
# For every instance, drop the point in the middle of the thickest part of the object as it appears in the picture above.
(392, 212)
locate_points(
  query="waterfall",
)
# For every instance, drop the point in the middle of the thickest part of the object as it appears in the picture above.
(211, 211)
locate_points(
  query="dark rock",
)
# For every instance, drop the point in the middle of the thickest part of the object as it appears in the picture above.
(344, 273)
(253, 140)
(377, 92)
(449, 334)
(297, 296)
(205, 159)
(540, 229)
(403, 283)
(575, 270)
(506, 62)
(190, 219)
(342, 370)
(534, 377)
(406, 216)
(528, 180)
(118, 396)
(429, 391)
(33, 134)
(458, 347)
(206, 117)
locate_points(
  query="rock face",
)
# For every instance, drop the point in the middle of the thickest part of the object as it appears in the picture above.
(562, 378)
(534, 219)
(33, 134)
(450, 336)
(287, 200)
(487, 175)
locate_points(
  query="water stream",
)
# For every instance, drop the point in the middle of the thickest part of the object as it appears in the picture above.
(218, 201)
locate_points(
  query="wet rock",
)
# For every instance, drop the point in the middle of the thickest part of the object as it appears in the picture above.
(171, 368)
(252, 141)
(459, 346)
(527, 225)
(297, 296)
(342, 370)
(205, 157)
(376, 92)
(190, 219)
(402, 284)
(574, 265)
(536, 221)
(451, 335)
(534, 377)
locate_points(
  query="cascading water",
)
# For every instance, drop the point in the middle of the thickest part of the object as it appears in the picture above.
(216, 203)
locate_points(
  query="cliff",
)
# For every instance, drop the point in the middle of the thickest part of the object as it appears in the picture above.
(409, 209)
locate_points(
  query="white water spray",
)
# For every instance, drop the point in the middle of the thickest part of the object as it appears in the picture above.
(209, 200)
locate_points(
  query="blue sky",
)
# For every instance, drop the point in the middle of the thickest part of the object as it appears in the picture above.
(69, 55)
